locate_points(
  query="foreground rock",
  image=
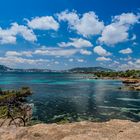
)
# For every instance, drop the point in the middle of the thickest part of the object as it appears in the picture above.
(112, 130)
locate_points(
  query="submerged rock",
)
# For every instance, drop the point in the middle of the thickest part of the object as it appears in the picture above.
(112, 130)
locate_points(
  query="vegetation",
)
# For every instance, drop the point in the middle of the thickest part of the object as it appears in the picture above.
(89, 69)
(123, 74)
(12, 97)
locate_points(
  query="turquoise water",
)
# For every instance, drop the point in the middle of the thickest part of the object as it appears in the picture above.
(59, 96)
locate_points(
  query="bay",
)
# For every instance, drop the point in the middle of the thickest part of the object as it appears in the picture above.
(70, 97)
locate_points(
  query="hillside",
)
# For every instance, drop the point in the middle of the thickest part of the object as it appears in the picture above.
(4, 68)
(75, 70)
(89, 69)
(8, 69)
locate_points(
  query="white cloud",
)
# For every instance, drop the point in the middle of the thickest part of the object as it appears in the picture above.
(25, 32)
(43, 23)
(48, 51)
(71, 60)
(113, 34)
(135, 64)
(116, 62)
(12, 60)
(135, 44)
(126, 51)
(77, 43)
(8, 36)
(118, 30)
(71, 17)
(56, 62)
(88, 24)
(103, 59)
(126, 19)
(15, 53)
(138, 61)
(55, 52)
(101, 51)
(12, 53)
(85, 52)
(126, 59)
(130, 62)
(133, 37)
(80, 60)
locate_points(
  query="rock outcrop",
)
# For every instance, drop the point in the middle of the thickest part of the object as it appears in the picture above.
(131, 84)
(112, 130)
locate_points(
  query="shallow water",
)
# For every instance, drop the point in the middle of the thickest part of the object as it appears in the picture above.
(59, 96)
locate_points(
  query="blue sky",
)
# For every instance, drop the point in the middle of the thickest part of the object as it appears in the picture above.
(64, 34)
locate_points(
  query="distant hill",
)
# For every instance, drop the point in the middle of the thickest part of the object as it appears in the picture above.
(89, 69)
(4, 68)
(7, 69)
(74, 70)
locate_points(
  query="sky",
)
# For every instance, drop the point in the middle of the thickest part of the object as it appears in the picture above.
(62, 34)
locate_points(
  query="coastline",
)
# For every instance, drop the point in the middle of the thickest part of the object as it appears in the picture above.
(129, 83)
(84, 130)
(111, 130)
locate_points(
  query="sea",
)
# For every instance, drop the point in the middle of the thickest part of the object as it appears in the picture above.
(62, 97)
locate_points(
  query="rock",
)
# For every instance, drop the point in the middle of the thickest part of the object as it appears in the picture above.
(131, 84)
(137, 88)
(130, 81)
(112, 130)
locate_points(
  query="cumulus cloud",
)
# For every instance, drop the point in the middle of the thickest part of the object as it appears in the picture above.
(118, 30)
(101, 51)
(126, 19)
(113, 34)
(126, 51)
(25, 32)
(43, 23)
(88, 24)
(8, 36)
(85, 52)
(103, 59)
(77, 43)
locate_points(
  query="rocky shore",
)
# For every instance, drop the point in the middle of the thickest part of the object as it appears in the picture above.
(129, 83)
(111, 130)
(132, 84)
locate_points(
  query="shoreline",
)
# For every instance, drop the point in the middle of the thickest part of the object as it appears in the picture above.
(129, 83)
(110, 130)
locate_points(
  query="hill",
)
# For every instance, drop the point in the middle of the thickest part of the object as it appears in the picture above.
(8, 69)
(4, 68)
(74, 70)
(89, 69)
